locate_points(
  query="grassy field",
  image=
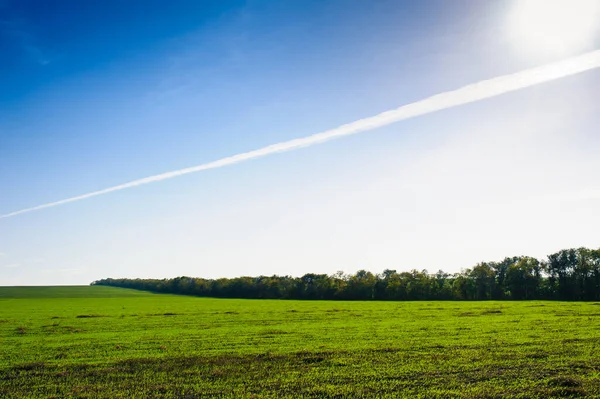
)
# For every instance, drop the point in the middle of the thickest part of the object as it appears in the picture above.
(103, 342)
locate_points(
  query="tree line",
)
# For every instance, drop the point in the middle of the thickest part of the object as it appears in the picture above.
(570, 274)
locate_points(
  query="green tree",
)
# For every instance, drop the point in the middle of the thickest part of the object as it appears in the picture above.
(523, 278)
(483, 276)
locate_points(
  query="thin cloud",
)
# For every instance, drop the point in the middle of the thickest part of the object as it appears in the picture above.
(37, 55)
(20, 31)
(465, 95)
(12, 265)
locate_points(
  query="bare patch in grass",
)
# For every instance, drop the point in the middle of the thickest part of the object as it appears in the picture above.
(565, 382)
(492, 311)
(536, 355)
(30, 366)
(311, 358)
(273, 332)
(72, 329)
(466, 314)
(164, 314)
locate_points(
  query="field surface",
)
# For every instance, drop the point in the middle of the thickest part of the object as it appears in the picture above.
(104, 342)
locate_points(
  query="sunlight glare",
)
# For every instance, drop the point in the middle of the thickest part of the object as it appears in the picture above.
(555, 26)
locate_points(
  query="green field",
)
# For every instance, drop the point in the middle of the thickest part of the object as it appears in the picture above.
(90, 342)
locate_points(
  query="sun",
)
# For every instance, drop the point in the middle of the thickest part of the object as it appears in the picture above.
(555, 26)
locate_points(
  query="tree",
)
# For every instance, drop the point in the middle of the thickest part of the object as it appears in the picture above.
(570, 274)
(523, 278)
(483, 276)
(560, 267)
(362, 285)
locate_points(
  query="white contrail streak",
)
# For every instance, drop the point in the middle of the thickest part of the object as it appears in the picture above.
(464, 95)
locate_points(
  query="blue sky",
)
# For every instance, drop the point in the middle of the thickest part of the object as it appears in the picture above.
(94, 94)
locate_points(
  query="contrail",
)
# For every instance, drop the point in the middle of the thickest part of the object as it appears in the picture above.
(467, 94)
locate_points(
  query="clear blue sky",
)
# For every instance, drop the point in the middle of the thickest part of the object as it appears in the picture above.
(94, 94)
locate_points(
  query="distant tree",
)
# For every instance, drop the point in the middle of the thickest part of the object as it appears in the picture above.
(463, 287)
(361, 285)
(523, 278)
(560, 267)
(484, 278)
(570, 274)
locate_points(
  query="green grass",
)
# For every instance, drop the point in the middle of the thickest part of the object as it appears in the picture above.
(113, 343)
(82, 291)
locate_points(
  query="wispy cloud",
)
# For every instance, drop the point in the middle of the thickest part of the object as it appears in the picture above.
(2, 253)
(12, 265)
(21, 33)
(37, 55)
(465, 95)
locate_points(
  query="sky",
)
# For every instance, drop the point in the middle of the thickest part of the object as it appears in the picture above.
(96, 94)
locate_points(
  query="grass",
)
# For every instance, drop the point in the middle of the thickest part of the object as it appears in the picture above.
(104, 342)
(83, 291)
